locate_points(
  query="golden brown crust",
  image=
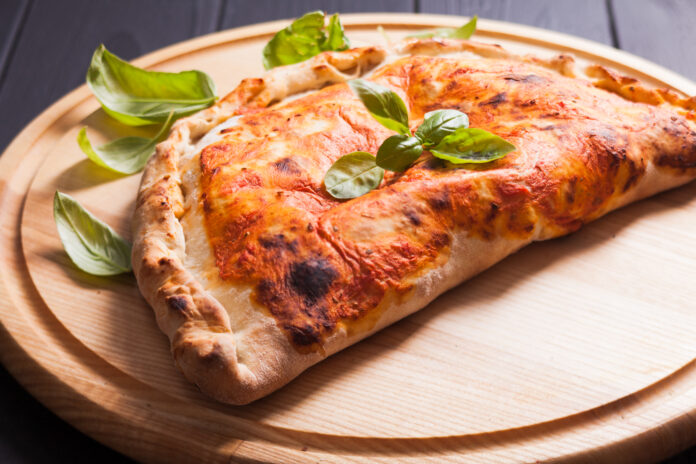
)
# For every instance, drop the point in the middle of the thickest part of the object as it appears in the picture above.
(197, 325)
(573, 164)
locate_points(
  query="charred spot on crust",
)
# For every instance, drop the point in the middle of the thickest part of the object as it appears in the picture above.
(635, 172)
(631, 181)
(287, 166)
(312, 278)
(528, 103)
(206, 203)
(439, 201)
(495, 100)
(680, 161)
(553, 114)
(492, 213)
(440, 239)
(177, 303)
(214, 357)
(278, 241)
(267, 292)
(686, 158)
(303, 335)
(413, 217)
(572, 187)
(319, 316)
(525, 79)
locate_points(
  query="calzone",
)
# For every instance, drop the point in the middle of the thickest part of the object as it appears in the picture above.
(256, 273)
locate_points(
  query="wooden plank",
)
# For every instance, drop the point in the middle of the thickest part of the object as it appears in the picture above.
(243, 12)
(659, 30)
(588, 19)
(11, 15)
(58, 38)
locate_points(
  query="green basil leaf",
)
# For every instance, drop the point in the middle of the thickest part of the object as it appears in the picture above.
(137, 97)
(353, 175)
(383, 104)
(337, 39)
(126, 155)
(92, 245)
(464, 32)
(303, 39)
(439, 124)
(398, 152)
(472, 146)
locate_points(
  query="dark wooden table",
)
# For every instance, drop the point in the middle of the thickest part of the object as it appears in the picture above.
(45, 47)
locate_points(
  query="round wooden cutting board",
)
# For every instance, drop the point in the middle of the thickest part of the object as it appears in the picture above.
(575, 350)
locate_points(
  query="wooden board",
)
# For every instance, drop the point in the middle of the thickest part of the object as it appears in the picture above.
(576, 349)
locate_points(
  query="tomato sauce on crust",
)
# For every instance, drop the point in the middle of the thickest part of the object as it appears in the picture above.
(315, 262)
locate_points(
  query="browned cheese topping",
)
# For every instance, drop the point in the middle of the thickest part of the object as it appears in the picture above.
(316, 262)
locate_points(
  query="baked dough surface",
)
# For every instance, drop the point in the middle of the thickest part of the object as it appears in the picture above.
(255, 273)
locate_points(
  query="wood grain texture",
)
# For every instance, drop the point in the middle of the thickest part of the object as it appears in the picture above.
(65, 331)
(243, 12)
(43, 69)
(588, 19)
(660, 30)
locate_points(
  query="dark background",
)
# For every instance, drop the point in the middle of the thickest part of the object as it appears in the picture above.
(46, 45)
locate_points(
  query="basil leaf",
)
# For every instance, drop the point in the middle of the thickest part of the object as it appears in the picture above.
(472, 146)
(353, 175)
(464, 32)
(439, 124)
(137, 97)
(337, 39)
(398, 152)
(383, 104)
(92, 245)
(126, 155)
(303, 39)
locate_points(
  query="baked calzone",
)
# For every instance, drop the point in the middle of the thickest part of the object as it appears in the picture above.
(255, 272)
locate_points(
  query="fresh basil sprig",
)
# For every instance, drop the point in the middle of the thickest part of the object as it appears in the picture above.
(439, 124)
(92, 245)
(463, 32)
(445, 133)
(471, 145)
(383, 104)
(304, 38)
(353, 175)
(126, 155)
(137, 97)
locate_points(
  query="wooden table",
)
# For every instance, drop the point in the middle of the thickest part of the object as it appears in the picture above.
(45, 47)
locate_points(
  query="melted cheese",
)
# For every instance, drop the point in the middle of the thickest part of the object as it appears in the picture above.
(263, 236)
